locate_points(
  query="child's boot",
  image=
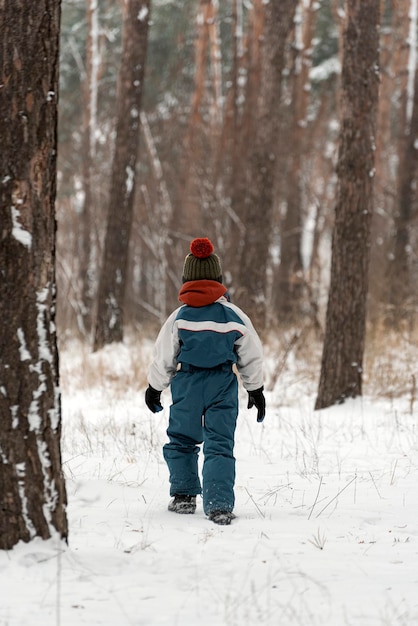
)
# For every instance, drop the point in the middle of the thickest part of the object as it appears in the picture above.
(223, 518)
(183, 504)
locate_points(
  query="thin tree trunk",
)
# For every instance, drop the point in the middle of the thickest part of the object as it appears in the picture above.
(400, 289)
(32, 487)
(189, 218)
(215, 69)
(89, 149)
(112, 285)
(321, 177)
(385, 149)
(159, 220)
(290, 277)
(342, 357)
(239, 118)
(254, 198)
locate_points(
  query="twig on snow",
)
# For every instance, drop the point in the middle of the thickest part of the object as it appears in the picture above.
(260, 512)
(375, 486)
(336, 496)
(316, 499)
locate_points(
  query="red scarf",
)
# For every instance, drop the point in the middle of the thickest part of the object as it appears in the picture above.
(201, 292)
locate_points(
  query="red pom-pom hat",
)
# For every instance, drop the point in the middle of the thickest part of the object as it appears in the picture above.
(202, 263)
(201, 247)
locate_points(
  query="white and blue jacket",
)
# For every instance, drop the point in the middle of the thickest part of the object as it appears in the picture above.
(207, 332)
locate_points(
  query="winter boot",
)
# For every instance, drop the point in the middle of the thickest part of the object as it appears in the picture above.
(183, 504)
(223, 518)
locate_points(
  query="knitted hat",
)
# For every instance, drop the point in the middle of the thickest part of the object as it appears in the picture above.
(202, 263)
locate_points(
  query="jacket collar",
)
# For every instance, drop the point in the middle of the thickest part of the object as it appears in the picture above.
(201, 292)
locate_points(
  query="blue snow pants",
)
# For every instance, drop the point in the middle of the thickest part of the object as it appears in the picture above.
(204, 410)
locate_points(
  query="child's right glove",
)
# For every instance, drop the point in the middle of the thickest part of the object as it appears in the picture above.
(153, 399)
(256, 398)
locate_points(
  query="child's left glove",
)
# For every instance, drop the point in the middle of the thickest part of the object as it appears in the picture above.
(153, 399)
(256, 398)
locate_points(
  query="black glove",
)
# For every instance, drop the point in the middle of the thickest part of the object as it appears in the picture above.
(256, 398)
(153, 399)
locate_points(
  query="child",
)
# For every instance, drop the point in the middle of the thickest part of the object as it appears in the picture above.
(194, 352)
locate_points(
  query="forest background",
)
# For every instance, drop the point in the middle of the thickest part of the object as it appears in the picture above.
(202, 88)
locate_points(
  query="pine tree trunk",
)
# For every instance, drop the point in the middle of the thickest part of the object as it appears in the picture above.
(188, 218)
(290, 278)
(86, 222)
(402, 291)
(32, 488)
(401, 287)
(384, 158)
(342, 358)
(112, 285)
(253, 199)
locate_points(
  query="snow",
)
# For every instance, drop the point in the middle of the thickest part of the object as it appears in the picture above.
(143, 14)
(23, 350)
(42, 307)
(21, 472)
(19, 233)
(130, 178)
(326, 532)
(14, 410)
(412, 60)
(323, 71)
(44, 354)
(112, 303)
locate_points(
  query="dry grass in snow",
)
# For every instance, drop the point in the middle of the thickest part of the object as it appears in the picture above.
(327, 515)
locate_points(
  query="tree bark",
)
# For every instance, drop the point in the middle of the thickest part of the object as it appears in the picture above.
(32, 487)
(253, 200)
(342, 358)
(112, 284)
(86, 218)
(200, 139)
(290, 276)
(401, 289)
(385, 155)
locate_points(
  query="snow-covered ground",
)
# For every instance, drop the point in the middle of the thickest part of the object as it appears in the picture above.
(326, 532)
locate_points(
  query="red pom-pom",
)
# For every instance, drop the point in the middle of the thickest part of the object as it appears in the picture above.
(201, 247)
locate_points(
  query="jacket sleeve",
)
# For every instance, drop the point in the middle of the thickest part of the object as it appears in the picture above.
(249, 354)
(166, 349)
